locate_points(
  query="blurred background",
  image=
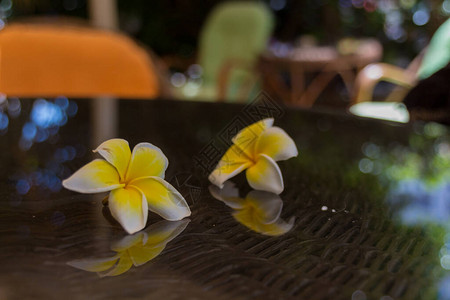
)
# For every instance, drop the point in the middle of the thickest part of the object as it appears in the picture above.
(303, 53)
(172, 27)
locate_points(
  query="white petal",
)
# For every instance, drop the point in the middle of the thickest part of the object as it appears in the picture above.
(146, 160)
(116, 152)
(223, 172)
(129, 207)
(95, 177)
(277, 144)
(246, 138)
(265, 175)
(232, 163)
(162, 198)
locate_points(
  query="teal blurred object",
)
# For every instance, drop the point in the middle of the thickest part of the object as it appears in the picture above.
(437, 55)
(232, 38)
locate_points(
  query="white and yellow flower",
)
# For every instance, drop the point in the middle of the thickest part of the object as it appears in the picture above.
(136, 249)
(135, 181)
(256, 149)
(259, 211)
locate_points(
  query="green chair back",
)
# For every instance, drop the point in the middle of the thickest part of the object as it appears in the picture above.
(437, 55)
(234, 33)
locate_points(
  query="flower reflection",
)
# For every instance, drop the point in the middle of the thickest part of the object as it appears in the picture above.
(136, 249)
(259, 211)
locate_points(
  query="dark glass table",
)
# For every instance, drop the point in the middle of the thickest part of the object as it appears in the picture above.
(364, 213)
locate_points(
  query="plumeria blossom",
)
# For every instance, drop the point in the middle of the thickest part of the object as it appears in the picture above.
(135, 181)
(256, 149)
(259, 211)
(136, 249)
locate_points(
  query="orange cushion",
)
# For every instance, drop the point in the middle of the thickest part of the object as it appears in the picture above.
(45, 60)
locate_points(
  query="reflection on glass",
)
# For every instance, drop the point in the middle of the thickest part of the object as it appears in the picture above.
(136, 249)
(259, 211)
(417, 178)
(45, 119)
(4, 121)
(12, 107)
(444, 289)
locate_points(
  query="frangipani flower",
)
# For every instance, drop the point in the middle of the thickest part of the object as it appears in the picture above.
(136, 181)
(259, 211)
(256, 149)
(136, 249)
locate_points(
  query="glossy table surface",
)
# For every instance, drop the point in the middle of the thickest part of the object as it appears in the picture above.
(364, 213)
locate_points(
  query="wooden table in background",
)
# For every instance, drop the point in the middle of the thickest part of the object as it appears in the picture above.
(324, 62)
